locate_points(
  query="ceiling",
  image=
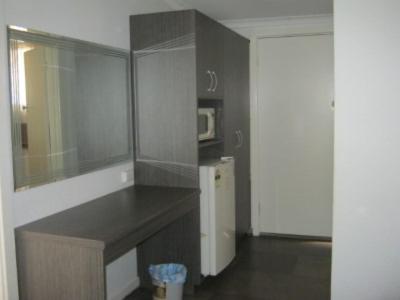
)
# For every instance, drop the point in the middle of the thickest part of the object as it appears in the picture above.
(248, 9)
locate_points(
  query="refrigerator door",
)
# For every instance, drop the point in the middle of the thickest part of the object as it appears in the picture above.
(217, 213)
(223, 221)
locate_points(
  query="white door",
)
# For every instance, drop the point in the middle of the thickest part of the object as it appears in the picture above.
(295, 135)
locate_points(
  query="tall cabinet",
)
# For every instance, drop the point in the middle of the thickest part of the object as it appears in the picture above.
(182, 61)
(237, 122)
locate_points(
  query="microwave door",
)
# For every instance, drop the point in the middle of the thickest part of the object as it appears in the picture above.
(206, 126)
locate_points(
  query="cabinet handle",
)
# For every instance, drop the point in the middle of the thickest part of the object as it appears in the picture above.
(241, 138)
(237, 139)
(216, 81)
(210, 86)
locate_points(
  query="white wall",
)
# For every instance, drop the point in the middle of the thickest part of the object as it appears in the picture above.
(100, 21)
(256, 29)
(366, 243)
(8, 264)
(8, 276)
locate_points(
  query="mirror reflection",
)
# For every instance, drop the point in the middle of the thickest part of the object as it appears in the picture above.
(71, 111)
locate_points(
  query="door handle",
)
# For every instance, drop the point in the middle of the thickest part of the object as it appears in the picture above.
(210, 86)
(216, 81)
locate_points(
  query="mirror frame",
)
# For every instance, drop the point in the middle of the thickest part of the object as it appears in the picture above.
(64, 42)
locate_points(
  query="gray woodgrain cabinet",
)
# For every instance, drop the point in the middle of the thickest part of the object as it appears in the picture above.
(209, 53)
(237, 122)
(178, 60)
(184, 60)
(166, 146)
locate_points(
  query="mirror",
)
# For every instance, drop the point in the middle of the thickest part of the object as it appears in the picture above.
(71, 107)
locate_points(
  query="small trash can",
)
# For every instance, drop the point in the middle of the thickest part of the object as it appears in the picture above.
(168, 281)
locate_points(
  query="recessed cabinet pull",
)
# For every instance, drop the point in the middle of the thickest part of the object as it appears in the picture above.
(238, 139)
(216, 81)
(210, 86)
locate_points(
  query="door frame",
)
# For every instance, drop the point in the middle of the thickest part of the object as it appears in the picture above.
(257, 30)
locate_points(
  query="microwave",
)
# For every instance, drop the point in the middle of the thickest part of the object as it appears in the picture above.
(206, 124)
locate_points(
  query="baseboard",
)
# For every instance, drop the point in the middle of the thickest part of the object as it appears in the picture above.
(128, 289)
(298, 237)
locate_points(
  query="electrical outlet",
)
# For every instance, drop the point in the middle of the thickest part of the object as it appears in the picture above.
(127, 176)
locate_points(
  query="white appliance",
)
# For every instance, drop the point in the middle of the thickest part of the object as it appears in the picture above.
(206, 123)
(217, 215)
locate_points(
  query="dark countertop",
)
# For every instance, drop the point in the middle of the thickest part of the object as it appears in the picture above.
(116, 222)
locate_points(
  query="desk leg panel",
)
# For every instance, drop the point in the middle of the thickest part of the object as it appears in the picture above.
(49, 270)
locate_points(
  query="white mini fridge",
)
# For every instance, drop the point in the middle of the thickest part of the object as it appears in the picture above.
(217, 214)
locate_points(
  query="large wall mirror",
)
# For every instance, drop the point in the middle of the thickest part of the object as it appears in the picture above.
(71, 107)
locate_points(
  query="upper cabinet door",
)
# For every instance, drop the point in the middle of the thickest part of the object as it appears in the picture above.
(232, 112)
(210, 62)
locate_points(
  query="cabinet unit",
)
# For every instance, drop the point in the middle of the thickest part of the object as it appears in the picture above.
(178, 63)
(237, 122)
(183, 60)
(166, 146)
